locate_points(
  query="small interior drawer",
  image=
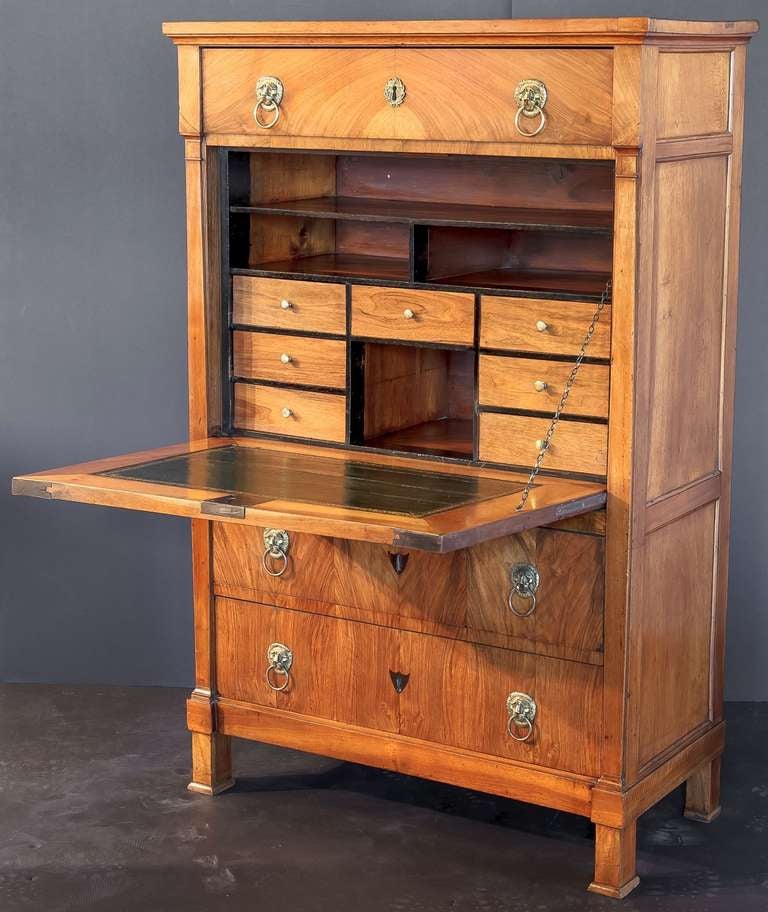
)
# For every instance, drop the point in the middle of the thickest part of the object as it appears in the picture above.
(289, 304)
(290, 359)
(577, 446)
(543, 326)
(536, 385)
(418, 316)
(290, 412)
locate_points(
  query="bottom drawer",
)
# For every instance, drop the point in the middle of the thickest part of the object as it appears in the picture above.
(432, 688)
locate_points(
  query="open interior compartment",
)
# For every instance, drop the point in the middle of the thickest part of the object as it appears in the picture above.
(413, 399)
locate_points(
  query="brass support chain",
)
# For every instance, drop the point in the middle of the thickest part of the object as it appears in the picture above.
(604, 298)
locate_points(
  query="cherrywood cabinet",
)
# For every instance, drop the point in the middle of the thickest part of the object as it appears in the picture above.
(461, 366)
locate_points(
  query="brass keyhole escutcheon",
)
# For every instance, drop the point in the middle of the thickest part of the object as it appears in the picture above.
(394, 91)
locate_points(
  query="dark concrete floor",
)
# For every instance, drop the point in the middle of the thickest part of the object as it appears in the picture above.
(94, 815)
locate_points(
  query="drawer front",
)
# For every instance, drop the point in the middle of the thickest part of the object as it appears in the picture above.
(340, 92)
(291, 413)
(418, 316)
(577, 446)
(538, 325)
(290, 359)
(564, 608)
(457, 694)
(340, 670)
(537, 385)
(288, 304)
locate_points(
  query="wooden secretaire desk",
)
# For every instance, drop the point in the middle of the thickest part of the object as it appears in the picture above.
(462, 314)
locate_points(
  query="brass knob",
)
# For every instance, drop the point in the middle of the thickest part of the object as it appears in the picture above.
(286, 304)
(540, 385)
(269, 94)
(408, 313)
(286, 413)
(542, 326)
(286, 359)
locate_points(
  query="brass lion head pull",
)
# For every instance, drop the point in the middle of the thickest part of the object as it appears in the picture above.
(269, 94)
(531, 96)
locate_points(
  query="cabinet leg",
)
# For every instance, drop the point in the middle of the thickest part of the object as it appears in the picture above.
(615, 861)
(702, 792)
(211, 763)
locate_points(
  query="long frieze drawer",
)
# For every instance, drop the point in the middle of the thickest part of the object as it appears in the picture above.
(291, 413)
(577, 446)
(536, 385)
(318, 666)
(290, 359)
(413, 316)
(543, 326)
(425, 102)
(458, 693)
(288, 304)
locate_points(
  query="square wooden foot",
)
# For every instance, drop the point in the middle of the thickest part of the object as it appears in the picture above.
(615, 851)
(702, 792)
(211, 763)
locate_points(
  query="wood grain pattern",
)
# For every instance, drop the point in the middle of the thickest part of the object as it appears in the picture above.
(438, 316)
(512, 382)
(687, 323)
(434, 706)
(576, 445)
(356, 82)
(694, 93)
(315, 306)
(510, 323)
(313, 362)
(615, 861)
(317, 415)
(702, 792)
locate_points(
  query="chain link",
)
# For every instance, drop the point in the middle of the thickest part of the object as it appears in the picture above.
(604, 298)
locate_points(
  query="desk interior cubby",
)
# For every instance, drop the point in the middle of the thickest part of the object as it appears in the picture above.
(470, 226)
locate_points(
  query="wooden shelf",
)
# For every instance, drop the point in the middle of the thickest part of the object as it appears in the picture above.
(449, 214)
(341, 265)
(451, 437)
(549, 281)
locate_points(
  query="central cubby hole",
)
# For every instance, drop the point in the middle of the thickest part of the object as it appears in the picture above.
(413, 399)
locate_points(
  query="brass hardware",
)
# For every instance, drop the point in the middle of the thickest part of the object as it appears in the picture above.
(525, 583)
(286, 304)
(223, 506)
(399, 680)
(276, 545)
(31, 488)
(280, 659)
(394, 91)
(531, 96)
(540, 385)
(286, 359)
(521, 708)
(398, 561)
(269, 94)
(542, 326)
(286, 412)
(408, 313)
(571, 379)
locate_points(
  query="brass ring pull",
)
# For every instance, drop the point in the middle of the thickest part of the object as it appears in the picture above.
(521, 709)
(531, 96)
(269, 94)
(280, 659)
(524, 580)
(276, 544)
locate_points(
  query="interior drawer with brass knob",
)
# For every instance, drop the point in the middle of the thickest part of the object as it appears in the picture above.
(543, 326)
(289, 304)
(553, 95)
(290, 359)
(290, 412)
(577, 446)
(416, 316)
(536, 385)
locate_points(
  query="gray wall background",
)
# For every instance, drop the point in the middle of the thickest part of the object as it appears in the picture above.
(92, 324)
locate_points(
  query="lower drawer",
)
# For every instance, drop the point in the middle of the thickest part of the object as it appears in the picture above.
(432, 688)
(290, 412)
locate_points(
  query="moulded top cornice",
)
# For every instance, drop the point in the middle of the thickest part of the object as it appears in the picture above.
(604, 31)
